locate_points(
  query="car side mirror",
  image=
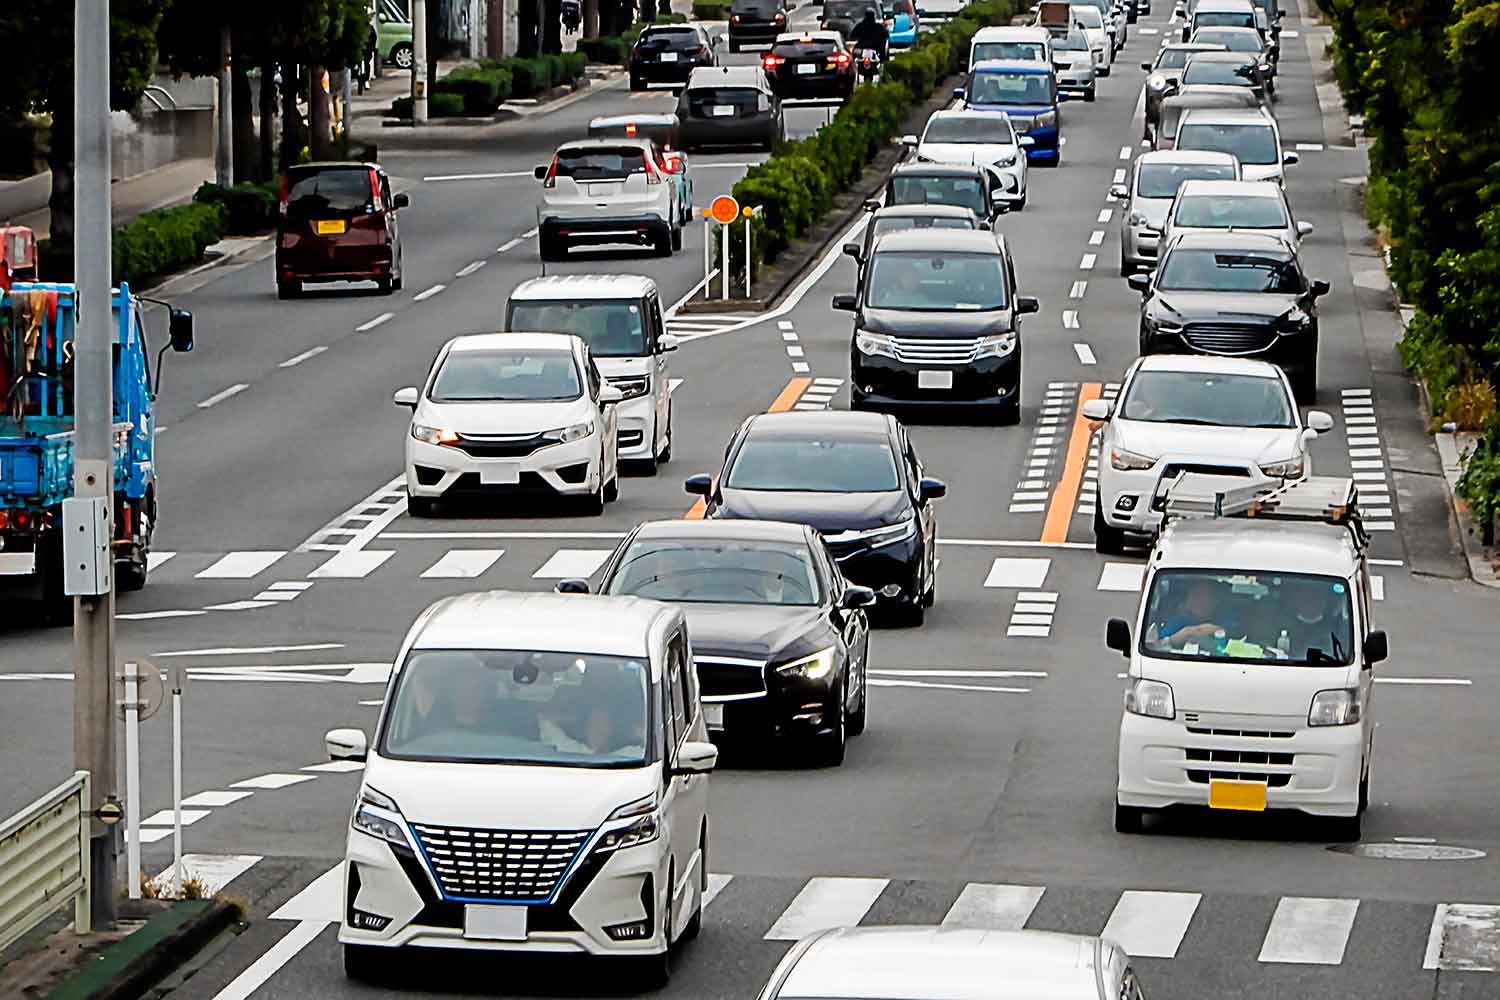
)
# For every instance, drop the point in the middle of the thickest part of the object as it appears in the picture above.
(402, 200)
(853, 250)
(1320, 288)
(610, 394)
(180, 330)
(352, 744)
(405, 397)
(1377, 647)
(855, 596)
(573, 586)
(1290, 158)
(844, 302)
(668, 342)
(1146, 66)
(1304, 229)
(700, 485)
(1119, 191)
(872, 205)
(695, 758)
(1027, 304)
(932, 489)
(540, 173)
(909, 140)
(1140, 282)
(1098, 409)
(1117, 635)
(958, 92)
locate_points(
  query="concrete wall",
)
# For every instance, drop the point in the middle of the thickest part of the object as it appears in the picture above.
(181, 129)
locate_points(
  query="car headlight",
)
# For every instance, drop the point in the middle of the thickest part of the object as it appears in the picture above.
(632, 387)
(643, 825)
(874, 344)
(377, 815)
(997, 346)
(1136, 219)
(813, 667)
(1045, 120)
(886, 534)
(1337, 707)
(573, 432)
(1290, 469)
(1150, 698)
(434, 435)
(1129, 461)
(1294, 320)
(1156, 81)
(1006, 161)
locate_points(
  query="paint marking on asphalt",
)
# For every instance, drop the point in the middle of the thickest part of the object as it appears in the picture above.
(801, 367)
(369, 325)
(529, 233)
(1087, 264)
(148, 616)
(1070, 319)
(428, 293)
(572, 563)
(211, 871)
(223, 394)
(1120, 176)
(1151, 924)
(273, 781)
(240, 565)
(1310, 147)
(1464, 936)
(462, 564)
(716, 884)
(435, 178)
(1019, 573)
(1125, 152)
(944, 686)
(1085, 354)
(508, 245)
(164, 817)
(1309, 930)
(960, 673)
(156, 560)
(1122, 577)
(1096, 238)
(353, 564)
(279, 954)
(1078, 289)
(825, 903)
(214, 800)
(297, 359)
(1065, 497)
(470, 268)
(1429, 681)
(1105, 214)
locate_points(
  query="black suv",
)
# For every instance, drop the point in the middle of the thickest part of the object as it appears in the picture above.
(980, 190)
(668, 53)
(755, 22)
(812, 65)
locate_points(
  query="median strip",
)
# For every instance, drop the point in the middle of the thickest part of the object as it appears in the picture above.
(1065, 497)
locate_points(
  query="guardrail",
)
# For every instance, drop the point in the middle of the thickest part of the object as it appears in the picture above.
(44, 861)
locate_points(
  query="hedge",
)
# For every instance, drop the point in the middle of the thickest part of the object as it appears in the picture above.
(249, 208)
(165, 240)
(478, 91)
(797, 185)
(614, 50)
(1421, 75)
(707, 10)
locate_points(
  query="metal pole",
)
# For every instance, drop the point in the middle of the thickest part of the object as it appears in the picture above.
(93, 406)
(419, 62)
(747, 257)
(132, 781)
(224, 147)
(724, 259)
(708, 249)
(177, 783)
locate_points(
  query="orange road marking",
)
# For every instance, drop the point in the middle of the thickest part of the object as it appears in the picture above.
(783, 402)
(1065, 497)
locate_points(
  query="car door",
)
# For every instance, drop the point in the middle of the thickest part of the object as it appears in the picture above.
(608, 420)
(392, 217)
(688, 793)
(926, 510)
(852, 625)
(661, 385)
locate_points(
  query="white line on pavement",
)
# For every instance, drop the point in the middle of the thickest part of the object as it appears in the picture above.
(297, 359)
(1087, 264)
(1085, 354)
(223, 394)
(941, 686)
(1078, 290)
(246, 650)
(267, 965)
(428, 293)
(470, 268)
(508, 245)
(241, 565)
(1309, 931)
(1431, 681)
(1070, 319)
(146, 616)
(462, 564)
(981, 906)
(1125, 152)
(1096, 237)
(477, 177)
(959, 673)
(1151, 924)
(369, 325)
(824, 903)
(1120, 176)
(1105, 214)
(529, 233)
(566, 563)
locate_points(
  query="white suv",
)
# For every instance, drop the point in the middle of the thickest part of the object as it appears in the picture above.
(1192, 413)
(538, 781)
(598, 192)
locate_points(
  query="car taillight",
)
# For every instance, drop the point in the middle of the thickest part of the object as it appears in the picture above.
(285, 193)
(734, 19)
(375, 198)
(630, 128)
(780, 18)
(550, 181)
(842, 58)
(771, 62)
(670, 164)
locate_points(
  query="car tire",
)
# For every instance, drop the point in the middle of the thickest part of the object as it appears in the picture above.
(1009, 414)
(401, 55)
(1345, 829)
(550, 248)
(1108, 541)
(855, 722)
(1364, 792)
(666, 450)
(612, 489)
(656, 970)
(593, 503)
(676, 238)
(1129, 819)
(131, 576)
(636, 83)
(831, 748)
(398, 281)
(1102, 71)
(662, 244)
(694, 926)
(384, 285)
(1021, 205)
(929, 596)
(1091, 95)
(288, 289)
(365, 964)
(420, 506)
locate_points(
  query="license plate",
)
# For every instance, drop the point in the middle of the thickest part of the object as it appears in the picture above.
(17, 563)
(934, 380)
(806, 68)
(331, 227)
(1246, 796)
(494, 923)
(500, 474)
(723, 110)
(713, 715)
(668, 57)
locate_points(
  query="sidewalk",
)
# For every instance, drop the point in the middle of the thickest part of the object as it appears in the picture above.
(25, 202)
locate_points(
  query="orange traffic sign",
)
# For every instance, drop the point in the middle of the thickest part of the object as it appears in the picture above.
(724, 209)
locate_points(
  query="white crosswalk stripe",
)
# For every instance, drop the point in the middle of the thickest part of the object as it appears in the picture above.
(570, 563)
(462, 564)
(983, 906)
(1309, 930)
(1151, 924)
(240, 565)
(824, 903)
(353, 564)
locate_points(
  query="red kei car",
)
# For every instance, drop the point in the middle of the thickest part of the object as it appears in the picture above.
(338, 223)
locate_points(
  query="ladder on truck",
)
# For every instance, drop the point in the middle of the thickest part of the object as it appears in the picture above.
(1313, 499)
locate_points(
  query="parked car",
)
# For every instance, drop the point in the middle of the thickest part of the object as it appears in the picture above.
(730, 106)
(814, 64)
(338, 223)
(981, 138)
(1147, 198)
(1203, 206)
(393, 33)
(668, 53)
(599, 192)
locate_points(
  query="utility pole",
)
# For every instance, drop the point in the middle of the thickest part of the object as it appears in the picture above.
(419, 62)
(93, 462)
(224, 148)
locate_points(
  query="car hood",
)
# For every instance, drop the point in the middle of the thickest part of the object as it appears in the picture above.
(826, 512)
(965, 153)
(753, 631)
(1154, 209)
(904, 323)
(1265, 691)
(508, 796)
(1219, 445)
(503, 418)
(1230, 307)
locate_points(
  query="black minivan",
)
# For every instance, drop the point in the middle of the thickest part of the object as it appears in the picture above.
(755, 22)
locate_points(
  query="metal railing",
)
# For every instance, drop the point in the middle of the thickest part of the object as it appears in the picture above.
(44, 861)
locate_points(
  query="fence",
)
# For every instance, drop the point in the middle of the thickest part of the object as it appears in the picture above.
(44, 860)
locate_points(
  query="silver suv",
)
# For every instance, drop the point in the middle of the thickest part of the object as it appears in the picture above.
(598, 192)
(1147, 197)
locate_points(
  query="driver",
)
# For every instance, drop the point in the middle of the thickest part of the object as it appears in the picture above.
(1201, 616)
(869, 33)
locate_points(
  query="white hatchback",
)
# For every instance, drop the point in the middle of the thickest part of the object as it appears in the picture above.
(512, 414)
(598, 192)
(981, 138)
(1192, 413)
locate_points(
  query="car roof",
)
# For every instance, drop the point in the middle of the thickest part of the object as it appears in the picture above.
(1223, 5)
(737, 529)
(1028, 66)
(1229, 116)
(585, 286)
(940, 240)
(571, 623)
(725, 76)
(987, 116)
(976, 964)
(521, 340)
(1227, 545)
(1239, 29)
(796, 423)
(611, 142)
(929, 210)
(1185, 156)
(1210, 364)
(680, 26)
(798, 36)
(1224, 239)
(937, 170)
(1239, 189)
(1000, 32)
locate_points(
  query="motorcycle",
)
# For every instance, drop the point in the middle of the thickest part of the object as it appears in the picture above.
(868, 61)
(572, 15)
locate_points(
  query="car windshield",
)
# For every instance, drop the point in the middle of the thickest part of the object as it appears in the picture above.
(1165, 397)
(600, 163)
(1239, 617)
(1224, 19)
(760, 8)
(326, 192)
(893, 223)
(717, 572)
(936, 282)
(1173, 58)
(1073, 41)
(519, 707)
(785, 464)
(670, 38)
(1088, 17)
(1011, 88)
(611, 327)
(915, 189)
(1219, 73)
(1023, 51)
(1161, 180)
(1191, 270)
(1248, 143)
(1234, 41)
(988, 127)
(505, 376)
(1225, 211)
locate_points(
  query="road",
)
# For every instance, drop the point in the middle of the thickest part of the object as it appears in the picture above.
(983, 788)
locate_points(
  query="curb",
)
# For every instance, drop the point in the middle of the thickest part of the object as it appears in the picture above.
(226, 257)
(128, 968)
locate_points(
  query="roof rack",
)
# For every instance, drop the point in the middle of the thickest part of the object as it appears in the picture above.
(1319, 499)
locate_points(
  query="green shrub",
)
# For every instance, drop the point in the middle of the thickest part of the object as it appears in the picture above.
(439, 105)
(478, 88)
(248, 208)
(710, 10)
(1479, 486)
(530, 76)
(573, 64)
(165, 240)
(611, 50)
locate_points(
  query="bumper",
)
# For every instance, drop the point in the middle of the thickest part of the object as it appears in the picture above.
(1136, 489)
(755, 34)
(734, 132)
(1139, 246)
(1295, 353)
(1315, 771)
(1013, 179)
(785, 707)
(600, 891)
(637, 428)
(643, 228)
(571, 469)
(815, 87)
(990, 381)
(890, 570)
(356, 266)
(1076, 82)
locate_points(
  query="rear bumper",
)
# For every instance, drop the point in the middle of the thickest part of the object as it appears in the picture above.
(645, 228)
(660, 72)
(739, 132)
(818, 86)
(363, 265)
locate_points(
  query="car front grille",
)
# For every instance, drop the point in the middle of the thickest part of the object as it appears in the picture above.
(1228, 338)
(730, 678)
(493, 865)
(1200, 777)
(924, 350)
(500, 445)
(1258, 734)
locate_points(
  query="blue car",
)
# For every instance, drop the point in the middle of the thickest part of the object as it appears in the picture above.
(903, 33)
(1027, 91)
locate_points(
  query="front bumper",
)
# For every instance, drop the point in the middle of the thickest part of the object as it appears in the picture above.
(1139, 246)
(1315, 770)
(890, 570)
(636, 431)
(599, 891)
(644, 228)
(439, 471)
(1296, 353)
(886, 381)
(743, 698)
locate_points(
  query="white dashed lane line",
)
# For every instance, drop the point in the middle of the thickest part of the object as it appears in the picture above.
(428, 293)
(297, 359)
(508, 245)
(1120, 176)
(1085, 354)
(223, 394)
(476, 177)
(1105, 214)
(1087, 264)
(1096, 238)
(1070, 319)
(369, 325)
(1125, 152)
(1078, 290)
(470, 268)
(529, 233)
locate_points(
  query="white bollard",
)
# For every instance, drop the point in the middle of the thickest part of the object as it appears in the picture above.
(132, 781)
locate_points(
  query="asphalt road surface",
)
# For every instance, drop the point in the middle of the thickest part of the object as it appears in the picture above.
(981, 793)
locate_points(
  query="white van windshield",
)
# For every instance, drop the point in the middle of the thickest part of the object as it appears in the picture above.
(519, 707)
(1290, 618)
(611, 328)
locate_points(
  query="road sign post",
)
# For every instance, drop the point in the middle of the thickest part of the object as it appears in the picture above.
(723, 210)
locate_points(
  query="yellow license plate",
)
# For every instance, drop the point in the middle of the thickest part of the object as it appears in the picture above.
(1247, 796)
(330, 227)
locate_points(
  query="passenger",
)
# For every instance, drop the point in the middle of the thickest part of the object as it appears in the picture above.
(1320, 621)
(1200, 619)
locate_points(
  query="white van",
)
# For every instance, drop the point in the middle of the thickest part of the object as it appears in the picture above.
(537, 781)
(1017, 44)
(620, 317)
(1250, 682)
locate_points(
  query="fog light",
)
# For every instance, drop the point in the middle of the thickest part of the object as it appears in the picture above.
(636, 930)
(1126, 502)
(368, 921)
(891, 590)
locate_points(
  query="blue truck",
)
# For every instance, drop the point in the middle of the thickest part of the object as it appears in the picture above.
(37, 324)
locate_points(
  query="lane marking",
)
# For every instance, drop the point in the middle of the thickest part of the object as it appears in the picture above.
(297, 359)
(1085, 354)
(1105, 214)
(242, 650)
(268, 964)
(156, 560)
(428, 293)
(1060, 513)
(529, 233)
(462, 564)
(1151, 924)
(1463, 936)
(335, 767)
(1070, 319)
(470, 268)
(214, 800)
(945, 686)
(369, 325)
(1122, 577)
(240, 565)
(352, 564)
(212, 871)
(223, 394)
(438, 178)
(147, 616)
(1078, 289)
(1096, 238)
(982, 906)
(1019, 573)
(272, 781)
(716, 884)
(960, 673)
(825, 903)
(1309, 930)
(1125, 154)
(164, 817)
(508, 245)
(1120, 176)
(1087, 264)
(1432, 681)
(572, 563)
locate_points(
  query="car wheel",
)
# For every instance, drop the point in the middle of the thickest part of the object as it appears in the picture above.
(288, 289)
(384, 285)
(593, 503)
(401, 55)
(612, 489)
(1364, 792)
(131, 576)
(1345, 829)
(1129, 819)
(663, 244)
(666, 448)
(399, 281)
(1108, 541)
(1008, 414)
(656, 970)
(1126, 269)
(550, 248)
(1090, 95)
(1021, 205)
(834, 744)
(421, 506)
(694, 926)
(855, 723)
(365, 964)
(1102, 71)
(929, 596)
(734, 46)
(676, 238)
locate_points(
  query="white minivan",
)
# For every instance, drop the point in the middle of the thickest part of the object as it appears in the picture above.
(537, 782)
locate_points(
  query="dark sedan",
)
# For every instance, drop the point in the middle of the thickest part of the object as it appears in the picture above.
(813, 65)
(1228, 69)
(898, 218)
(755, 22)
(729, 106)
(854, 477)
(781, 641)
(1234, 294)
(668, 53)
(979, 189)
